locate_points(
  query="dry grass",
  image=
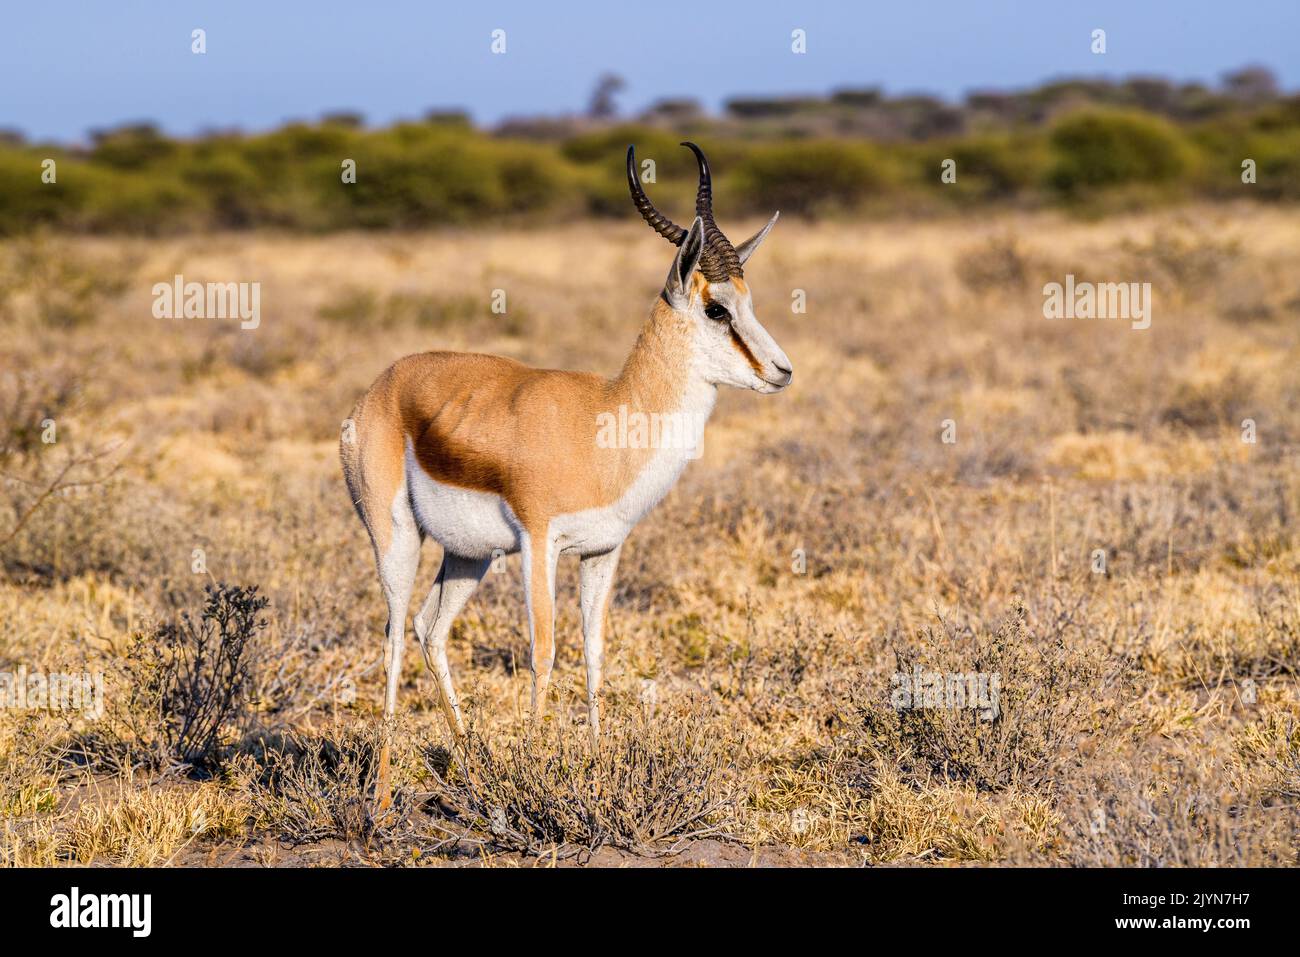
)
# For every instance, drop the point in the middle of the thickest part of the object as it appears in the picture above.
(1050, 697)
(828, 534)
(652, 780)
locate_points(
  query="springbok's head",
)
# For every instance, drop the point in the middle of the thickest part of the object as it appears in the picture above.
(706, 285)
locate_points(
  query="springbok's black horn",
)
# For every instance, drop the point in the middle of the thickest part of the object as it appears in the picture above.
(722, 260)
(660, 223)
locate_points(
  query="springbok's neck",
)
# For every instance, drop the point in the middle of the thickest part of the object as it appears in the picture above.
(659, 375)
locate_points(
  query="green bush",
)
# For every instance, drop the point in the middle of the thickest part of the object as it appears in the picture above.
(234, 194)
(809, 177)
(443, 171)
(133, 147)
(1277, 159)
(448, 178)
(26, 202)
(156, 203)
(604, 178)
(1098, 149)
(990, 167)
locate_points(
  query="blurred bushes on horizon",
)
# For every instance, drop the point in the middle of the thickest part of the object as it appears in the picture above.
(1093, 155)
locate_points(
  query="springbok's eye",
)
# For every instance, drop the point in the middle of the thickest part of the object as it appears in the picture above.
(714, 311)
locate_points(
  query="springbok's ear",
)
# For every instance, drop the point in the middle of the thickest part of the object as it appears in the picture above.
(746, 249)
(677, 290)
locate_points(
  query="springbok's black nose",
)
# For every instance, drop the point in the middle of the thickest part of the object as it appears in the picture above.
(786, 369)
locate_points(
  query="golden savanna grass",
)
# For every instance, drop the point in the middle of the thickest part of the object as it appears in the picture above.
(827, 538)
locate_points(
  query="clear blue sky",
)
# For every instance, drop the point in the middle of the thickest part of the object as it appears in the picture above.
(68, 67)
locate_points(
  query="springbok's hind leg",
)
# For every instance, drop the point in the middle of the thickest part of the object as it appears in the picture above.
(397, 570)
(456, 582)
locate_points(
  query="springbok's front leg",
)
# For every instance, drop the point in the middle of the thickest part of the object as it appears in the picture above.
(596, 576)
(539, 554)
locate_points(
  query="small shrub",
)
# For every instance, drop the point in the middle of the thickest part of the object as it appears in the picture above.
(30, 772)
(321, 787)
(1126, 816)
(58, 495)
(999, 263)
(1272, 745)
(1190, 259)
(193, 675)
(1050, 696)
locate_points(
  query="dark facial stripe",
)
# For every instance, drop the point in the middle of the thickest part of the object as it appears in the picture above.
(739, 345)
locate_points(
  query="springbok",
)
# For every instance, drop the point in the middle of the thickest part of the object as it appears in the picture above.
(488, 456)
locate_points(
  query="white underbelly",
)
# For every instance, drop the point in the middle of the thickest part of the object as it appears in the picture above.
(464, 522)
